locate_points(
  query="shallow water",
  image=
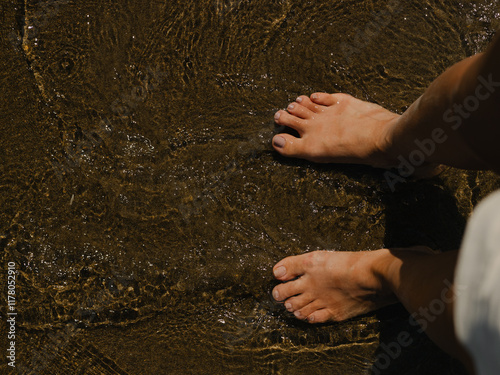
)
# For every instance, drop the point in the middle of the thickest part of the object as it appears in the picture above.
(144, 207)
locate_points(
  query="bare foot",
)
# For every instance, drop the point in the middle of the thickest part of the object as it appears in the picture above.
(331, 286)
(336, 128)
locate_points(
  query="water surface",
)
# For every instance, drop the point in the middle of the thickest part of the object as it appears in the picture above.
(144, 206)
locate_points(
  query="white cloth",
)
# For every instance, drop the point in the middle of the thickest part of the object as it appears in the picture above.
(477, 280)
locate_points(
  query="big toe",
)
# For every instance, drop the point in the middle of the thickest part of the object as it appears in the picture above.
(288, 145)
(289, 268)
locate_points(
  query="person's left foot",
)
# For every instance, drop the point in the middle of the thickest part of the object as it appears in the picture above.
(331, 285)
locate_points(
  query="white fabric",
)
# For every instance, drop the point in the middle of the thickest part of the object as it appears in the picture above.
(477, 280)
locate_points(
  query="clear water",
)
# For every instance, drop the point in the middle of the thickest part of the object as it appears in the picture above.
(144, 207)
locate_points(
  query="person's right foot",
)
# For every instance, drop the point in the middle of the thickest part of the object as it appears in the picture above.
(335, 128)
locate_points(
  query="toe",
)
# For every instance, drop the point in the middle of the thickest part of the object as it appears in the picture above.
(319, 316)
(290, 267)
(309, 308)
(326, 99)
(288, 145)
(284, 291)
(300, 111)
(298, 303)
(307, 102)
(287, 119)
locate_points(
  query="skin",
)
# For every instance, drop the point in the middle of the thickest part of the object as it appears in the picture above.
(337, 128)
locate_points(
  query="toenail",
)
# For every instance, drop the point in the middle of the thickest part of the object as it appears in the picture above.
(280, 143)
(277, 115)
(297, 314)
(311, 319)
(298, 100)
(291, 106)
(288, 306)
(276, 295)
(314, 96)
(280, 271)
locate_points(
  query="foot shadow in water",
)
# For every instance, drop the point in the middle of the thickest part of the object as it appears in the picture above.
(422, 213)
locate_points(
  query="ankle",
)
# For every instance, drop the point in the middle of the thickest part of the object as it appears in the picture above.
(382, 267)
(386, 153)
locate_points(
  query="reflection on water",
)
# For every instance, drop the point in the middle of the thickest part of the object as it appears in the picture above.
(144, 206)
